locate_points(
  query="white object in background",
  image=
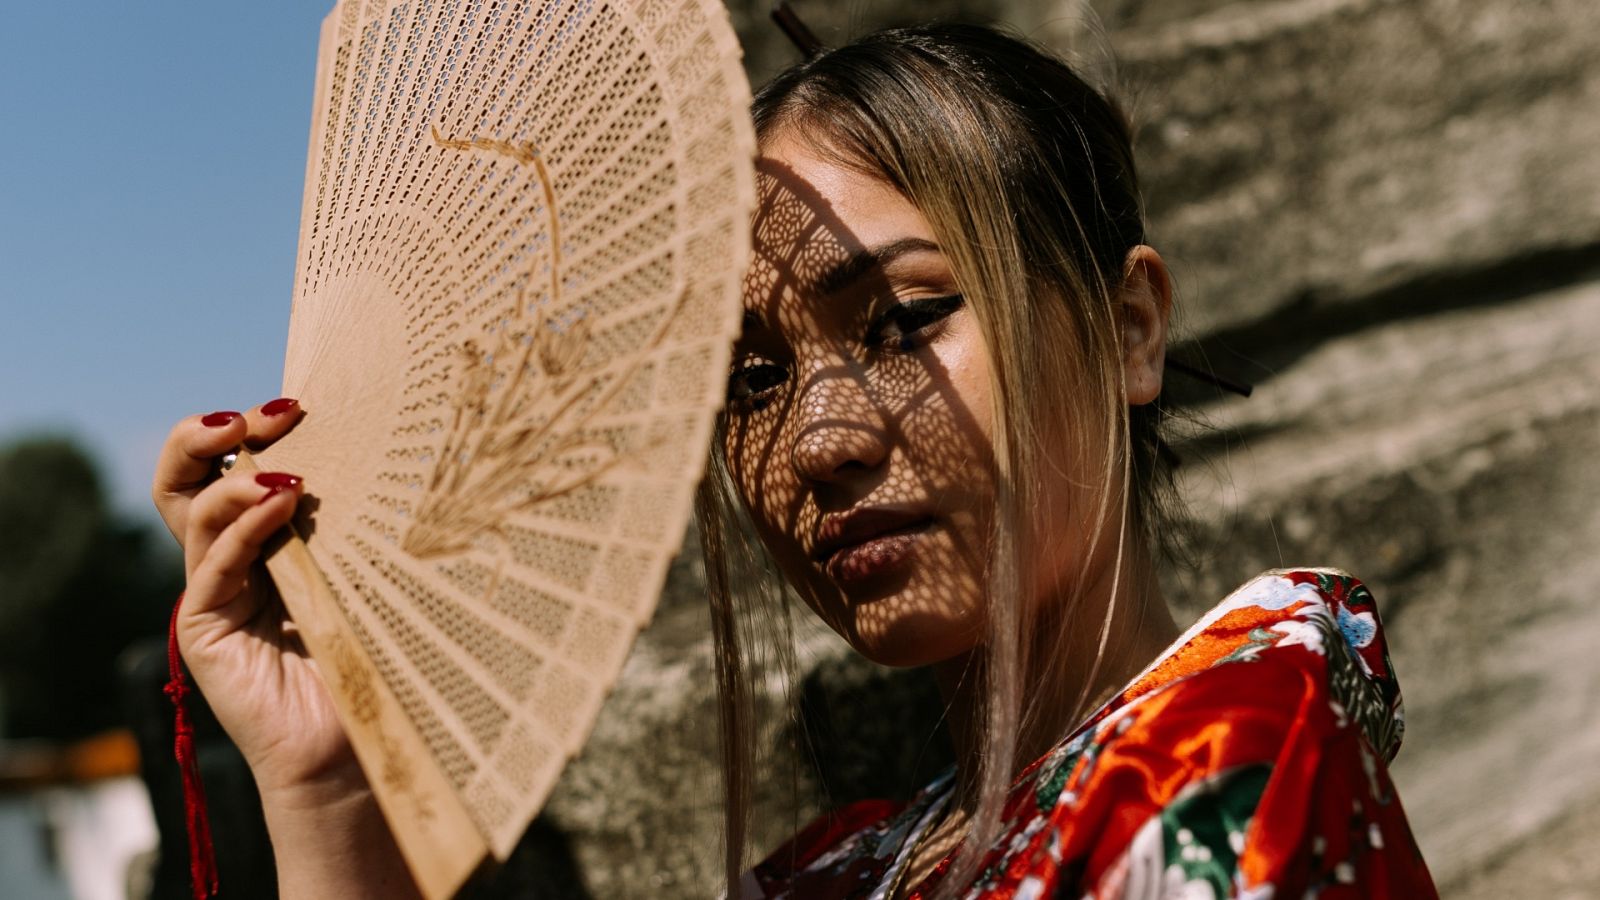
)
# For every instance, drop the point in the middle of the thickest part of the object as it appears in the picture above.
(98, 829)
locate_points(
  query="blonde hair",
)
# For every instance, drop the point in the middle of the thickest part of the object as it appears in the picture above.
(1026, 175)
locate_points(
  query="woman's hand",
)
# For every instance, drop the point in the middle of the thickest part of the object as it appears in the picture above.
(239, 647)
(247, 658)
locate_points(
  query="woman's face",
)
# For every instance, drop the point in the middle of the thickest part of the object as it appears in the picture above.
(860, 410)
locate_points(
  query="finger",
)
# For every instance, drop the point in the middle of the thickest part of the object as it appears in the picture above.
(226, 501)
(271, 420)
(215, 602)
(186, 462)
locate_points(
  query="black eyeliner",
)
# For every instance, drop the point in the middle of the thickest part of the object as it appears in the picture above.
(934, 309)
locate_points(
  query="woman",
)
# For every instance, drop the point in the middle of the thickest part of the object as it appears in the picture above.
(943, 424)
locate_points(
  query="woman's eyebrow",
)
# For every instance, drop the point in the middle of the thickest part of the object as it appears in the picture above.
(847, 271)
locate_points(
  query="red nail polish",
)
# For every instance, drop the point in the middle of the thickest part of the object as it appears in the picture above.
(277, 480)
(270, 494)
(279, 406)
(218, 419)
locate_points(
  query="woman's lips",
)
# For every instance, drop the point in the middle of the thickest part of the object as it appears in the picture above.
(867, 550)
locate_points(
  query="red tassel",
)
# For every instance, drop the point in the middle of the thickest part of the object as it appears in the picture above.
(202, 856)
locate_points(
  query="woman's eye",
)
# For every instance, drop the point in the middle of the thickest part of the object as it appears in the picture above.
(751, 384)
(910, 323)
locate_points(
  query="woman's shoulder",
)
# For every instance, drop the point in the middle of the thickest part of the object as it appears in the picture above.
(1247, 760)
(1253, 743)
(1322, 621)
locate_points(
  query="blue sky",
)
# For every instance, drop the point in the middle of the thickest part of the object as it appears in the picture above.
(150, 172)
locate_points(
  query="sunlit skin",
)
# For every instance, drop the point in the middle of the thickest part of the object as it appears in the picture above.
(859, 435)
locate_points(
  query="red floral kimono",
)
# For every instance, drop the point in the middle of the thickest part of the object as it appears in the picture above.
(1248, 760)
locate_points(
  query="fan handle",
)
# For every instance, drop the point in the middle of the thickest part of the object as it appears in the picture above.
(436, 836)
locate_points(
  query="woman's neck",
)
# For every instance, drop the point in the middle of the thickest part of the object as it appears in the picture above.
(1068, 677)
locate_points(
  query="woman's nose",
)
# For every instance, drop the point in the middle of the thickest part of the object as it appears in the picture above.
(842, 430)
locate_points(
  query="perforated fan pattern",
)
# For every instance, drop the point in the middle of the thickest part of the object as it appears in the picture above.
(522, 238)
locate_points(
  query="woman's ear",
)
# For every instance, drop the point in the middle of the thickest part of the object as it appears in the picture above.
(1146, 302)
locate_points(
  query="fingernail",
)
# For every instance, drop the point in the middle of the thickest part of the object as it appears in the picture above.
(272, 493)
(279, 406)
(277, 480)
(218, 419)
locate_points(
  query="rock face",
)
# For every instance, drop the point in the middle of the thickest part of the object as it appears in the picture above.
(1309, 152)
(1450, 461)
(1387, 215)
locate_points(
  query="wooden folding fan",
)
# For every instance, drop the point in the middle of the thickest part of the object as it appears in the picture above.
(521, 246)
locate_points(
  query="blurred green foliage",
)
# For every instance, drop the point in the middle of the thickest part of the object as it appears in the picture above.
(77, 585)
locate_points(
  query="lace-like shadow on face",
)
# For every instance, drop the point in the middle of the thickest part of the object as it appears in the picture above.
(858, 427)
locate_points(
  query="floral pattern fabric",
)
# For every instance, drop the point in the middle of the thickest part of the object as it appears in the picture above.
(1249, 760)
